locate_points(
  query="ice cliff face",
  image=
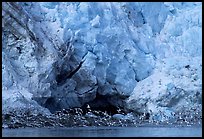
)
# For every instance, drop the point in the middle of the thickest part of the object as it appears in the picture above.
(136, 55)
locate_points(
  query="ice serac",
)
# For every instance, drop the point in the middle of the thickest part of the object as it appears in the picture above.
(65, 54)
(175, 85)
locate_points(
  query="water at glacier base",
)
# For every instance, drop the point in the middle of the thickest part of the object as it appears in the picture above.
(192, 131)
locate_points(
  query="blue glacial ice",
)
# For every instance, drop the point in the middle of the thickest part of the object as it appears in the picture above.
(144, 56)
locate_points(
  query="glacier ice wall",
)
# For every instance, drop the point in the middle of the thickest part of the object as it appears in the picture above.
(175, 85)
(64, 54)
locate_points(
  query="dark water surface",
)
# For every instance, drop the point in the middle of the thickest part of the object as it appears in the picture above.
(193, 131)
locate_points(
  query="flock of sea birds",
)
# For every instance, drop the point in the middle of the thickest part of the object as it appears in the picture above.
(78, 117)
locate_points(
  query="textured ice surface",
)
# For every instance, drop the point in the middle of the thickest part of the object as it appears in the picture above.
(175, 86)
(63, 54)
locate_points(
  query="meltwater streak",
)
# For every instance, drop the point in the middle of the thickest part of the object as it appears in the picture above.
(105, 132)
